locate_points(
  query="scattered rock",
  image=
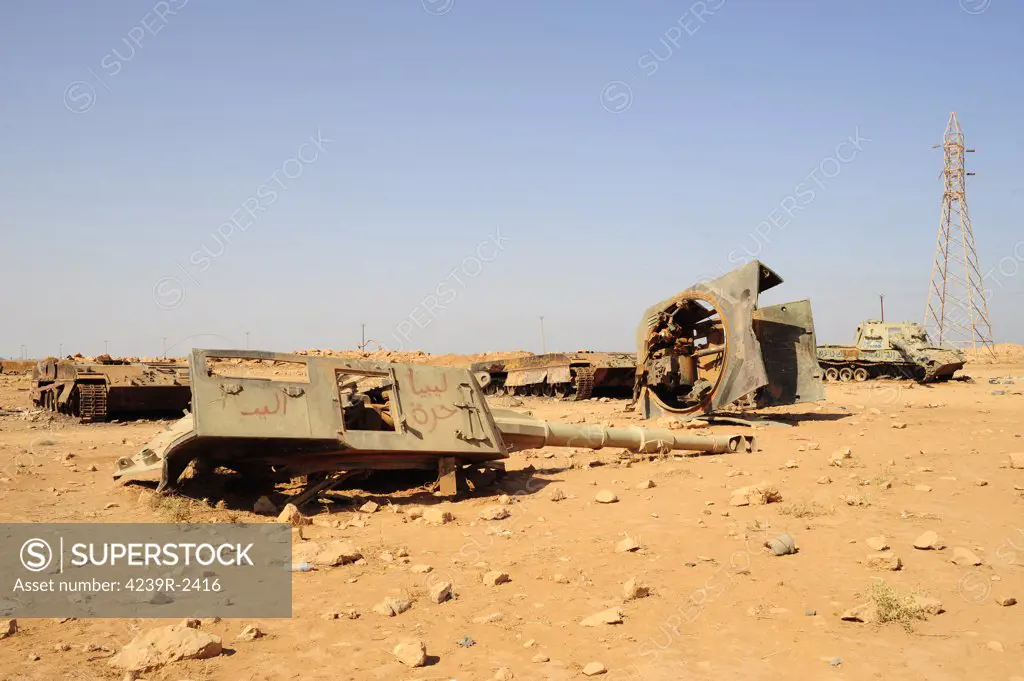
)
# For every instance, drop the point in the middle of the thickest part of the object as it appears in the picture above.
(922, 488)
(898, 425)
(646, 484)
(929, 605)
(489, 618)
(503, 674)
(440, 592)
(437, 516)
(421, 569)
(606, 497)
(556, 494)
(824, 480)
(264, 506)
(293, 517)
(411, 652)
(877, 543)
(883, 561)
(1017, 460)
(250, 633)
(965, 557)
(329, 554)
(494, 513)
(8, 628)
(792, 463)
(634, 589)
(191, 623)
(541, 657)
(627, 544)
(864, 613)
(1006, 601)
(980, 482)
(163, 645)
(995, 645)
(390, 607)
(609, 616)
(594, 668)
(369, 507)
(929, 541)
(839, 456)
(496, 577)
(755, 495)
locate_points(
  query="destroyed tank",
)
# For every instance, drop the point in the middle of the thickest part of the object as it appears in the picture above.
(564, 375)
(278, 416)
(888, 349)
(710, 347)
(96, 391)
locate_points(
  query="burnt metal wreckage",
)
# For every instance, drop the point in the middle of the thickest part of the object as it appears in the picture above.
(328, 418)
(565, 375)
(106, 387)
(711, 346)
(890, 350)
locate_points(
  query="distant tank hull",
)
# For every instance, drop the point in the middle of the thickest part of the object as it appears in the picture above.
(97, 391)
(889, 350)
(562, 375)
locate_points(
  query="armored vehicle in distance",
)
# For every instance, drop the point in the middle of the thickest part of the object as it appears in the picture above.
(565, 375)
(889, 349)
(98, 390)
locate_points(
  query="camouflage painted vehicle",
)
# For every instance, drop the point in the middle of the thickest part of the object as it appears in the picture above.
(296, 415)
(565, 375)
(888, 349)
(96, 391)
(710, 347)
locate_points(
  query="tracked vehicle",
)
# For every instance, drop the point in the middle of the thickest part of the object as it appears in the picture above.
(325, 416)
(96, 391)
(889, 350)
(575, 376)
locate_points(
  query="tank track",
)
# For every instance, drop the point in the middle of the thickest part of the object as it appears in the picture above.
(878, 370)
(584, 382)
(92, 401)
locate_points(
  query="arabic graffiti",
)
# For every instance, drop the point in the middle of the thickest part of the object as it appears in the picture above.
(429, 419)
(279, 405)
(430, 389)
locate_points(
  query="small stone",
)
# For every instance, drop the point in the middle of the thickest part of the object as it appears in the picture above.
(929, 605)
(560, 579)
(995, 645)
(606, 497)
(440, 592)
(110, 506)
(250, 633)
(824, 480)
(61, 647)
(594, 668)
(609, 616)
(157, 647)
(369, 507)
(627, 544)
(981, 482)
(883, 561)
(1017, 460)
(503, 674)
(877, 543)
(421, 569)
(634, 589)
(530, 643)
(489, 618)
(965, 557)
(264, 506)
(494, 513)
(391, 607)
(556, 494)
(835, 661)
(32, 657)
(411, 652)
(541, 657)
(646, 484)
(864, 613)
(496, 577)
(291, 516)
(922, 488)
(792, 463)
(8, 628)
(1006, 601)
(92, 468)
(929, 541)
(437, 516)
(191, 623)
(898, 425)
(813, 446)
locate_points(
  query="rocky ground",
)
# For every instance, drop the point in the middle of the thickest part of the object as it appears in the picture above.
(880, 476)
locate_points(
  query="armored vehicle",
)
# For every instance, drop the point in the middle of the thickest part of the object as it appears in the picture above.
(711, 346)
(897, 350)
(300, 416)
(576, 375)
(108, 387)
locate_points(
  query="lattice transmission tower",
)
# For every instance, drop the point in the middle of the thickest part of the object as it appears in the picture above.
(956, 313)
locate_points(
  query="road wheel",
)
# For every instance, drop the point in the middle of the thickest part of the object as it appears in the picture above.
(860, 374)
(846, 374)
(547, 390)
(831, 374)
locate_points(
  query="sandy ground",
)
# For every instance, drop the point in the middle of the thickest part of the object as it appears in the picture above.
(720, 607)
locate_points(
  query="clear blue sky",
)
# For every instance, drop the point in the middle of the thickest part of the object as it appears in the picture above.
(131, 135)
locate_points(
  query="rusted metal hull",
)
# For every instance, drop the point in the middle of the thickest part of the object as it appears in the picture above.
(889, 350)
(576, 376)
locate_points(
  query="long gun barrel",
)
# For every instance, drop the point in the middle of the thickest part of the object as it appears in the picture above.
(524, 432)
